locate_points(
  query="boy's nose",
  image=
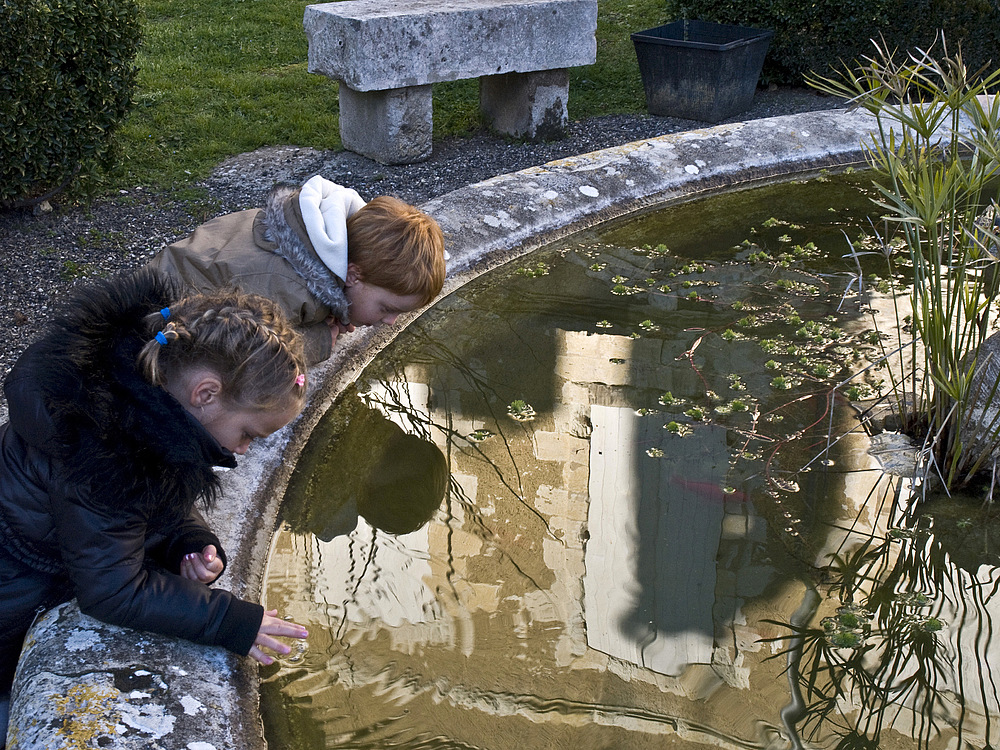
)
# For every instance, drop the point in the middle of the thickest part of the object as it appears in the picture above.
(390, 319)
(240, 449)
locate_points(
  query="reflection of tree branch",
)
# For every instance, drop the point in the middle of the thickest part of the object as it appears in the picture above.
(419, 417)
(396, 400)
(369, 559)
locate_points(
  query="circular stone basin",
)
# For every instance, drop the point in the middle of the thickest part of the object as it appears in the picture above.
(204, 696)
(643, 498)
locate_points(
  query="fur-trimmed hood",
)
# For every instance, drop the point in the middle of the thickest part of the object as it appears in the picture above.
(77, 396)
(285, 230)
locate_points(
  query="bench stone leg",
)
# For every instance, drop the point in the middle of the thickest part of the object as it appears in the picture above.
(392, 127)
(526, 105)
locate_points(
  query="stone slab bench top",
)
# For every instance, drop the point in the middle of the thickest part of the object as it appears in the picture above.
(373, 45)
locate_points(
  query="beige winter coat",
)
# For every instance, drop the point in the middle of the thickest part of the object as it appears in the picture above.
(267, 252)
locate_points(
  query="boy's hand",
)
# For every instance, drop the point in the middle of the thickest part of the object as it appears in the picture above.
(337, 328)
(271, 626)
(204, 566)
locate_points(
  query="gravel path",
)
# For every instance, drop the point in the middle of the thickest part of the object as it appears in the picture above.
(43, 256)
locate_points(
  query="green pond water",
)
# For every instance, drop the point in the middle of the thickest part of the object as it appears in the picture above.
(616, 495)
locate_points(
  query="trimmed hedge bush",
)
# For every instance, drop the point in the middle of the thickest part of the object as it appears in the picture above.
(67, 73)
(817, 35)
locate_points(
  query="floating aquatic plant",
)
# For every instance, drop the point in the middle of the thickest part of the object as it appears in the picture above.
(859, 392)
(781, 383)
(808, 250)
(654, 453)
(540, 268)
(603, 324)
(930, 625)
(913, 599)
(736, 406)
(520, 411)
(652, 252)
(677, 428)
(478, 436)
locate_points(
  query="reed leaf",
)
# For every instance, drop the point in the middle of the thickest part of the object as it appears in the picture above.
(936, 157)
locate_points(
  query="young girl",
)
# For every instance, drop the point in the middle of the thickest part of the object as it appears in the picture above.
(116, 417)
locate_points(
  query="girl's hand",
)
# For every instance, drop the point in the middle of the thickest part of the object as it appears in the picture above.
(271, 626)
(204, 566)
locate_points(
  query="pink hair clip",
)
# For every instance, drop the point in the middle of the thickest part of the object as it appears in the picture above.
(300, 380)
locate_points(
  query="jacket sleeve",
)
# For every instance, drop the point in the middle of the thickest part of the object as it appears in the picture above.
(190, 535)
(104, 554)
(317, 341)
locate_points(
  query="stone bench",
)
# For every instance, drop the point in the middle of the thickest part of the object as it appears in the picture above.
(387, 54)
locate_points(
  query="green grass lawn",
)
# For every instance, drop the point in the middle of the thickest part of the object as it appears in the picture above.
(227, 76)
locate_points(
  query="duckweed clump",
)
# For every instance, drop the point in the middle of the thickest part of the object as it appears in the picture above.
(520, 411)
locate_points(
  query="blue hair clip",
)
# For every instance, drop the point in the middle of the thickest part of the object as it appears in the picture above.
(161, 338)
(165, 312)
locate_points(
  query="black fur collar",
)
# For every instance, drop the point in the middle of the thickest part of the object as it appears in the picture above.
(78, 395)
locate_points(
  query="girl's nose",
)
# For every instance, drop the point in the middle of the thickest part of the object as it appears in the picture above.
(240, 449)
(390, 319)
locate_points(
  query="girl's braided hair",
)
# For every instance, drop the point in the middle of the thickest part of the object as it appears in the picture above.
(244, 339)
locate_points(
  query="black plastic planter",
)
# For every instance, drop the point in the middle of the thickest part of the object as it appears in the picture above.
(699, 70)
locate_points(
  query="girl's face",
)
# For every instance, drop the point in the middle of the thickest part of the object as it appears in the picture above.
(235, 427)
(200, 392)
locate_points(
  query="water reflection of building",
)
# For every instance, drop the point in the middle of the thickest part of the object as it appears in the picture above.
(594, 569)
(622, 586)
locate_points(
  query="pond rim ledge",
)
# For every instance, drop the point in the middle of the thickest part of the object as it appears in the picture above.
(82, 683)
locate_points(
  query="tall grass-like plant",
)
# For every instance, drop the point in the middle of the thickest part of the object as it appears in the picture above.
(936, 152)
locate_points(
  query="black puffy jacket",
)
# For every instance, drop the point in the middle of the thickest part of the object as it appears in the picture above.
(100, 473)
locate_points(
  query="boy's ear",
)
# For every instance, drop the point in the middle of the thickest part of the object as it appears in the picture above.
(354, 275)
